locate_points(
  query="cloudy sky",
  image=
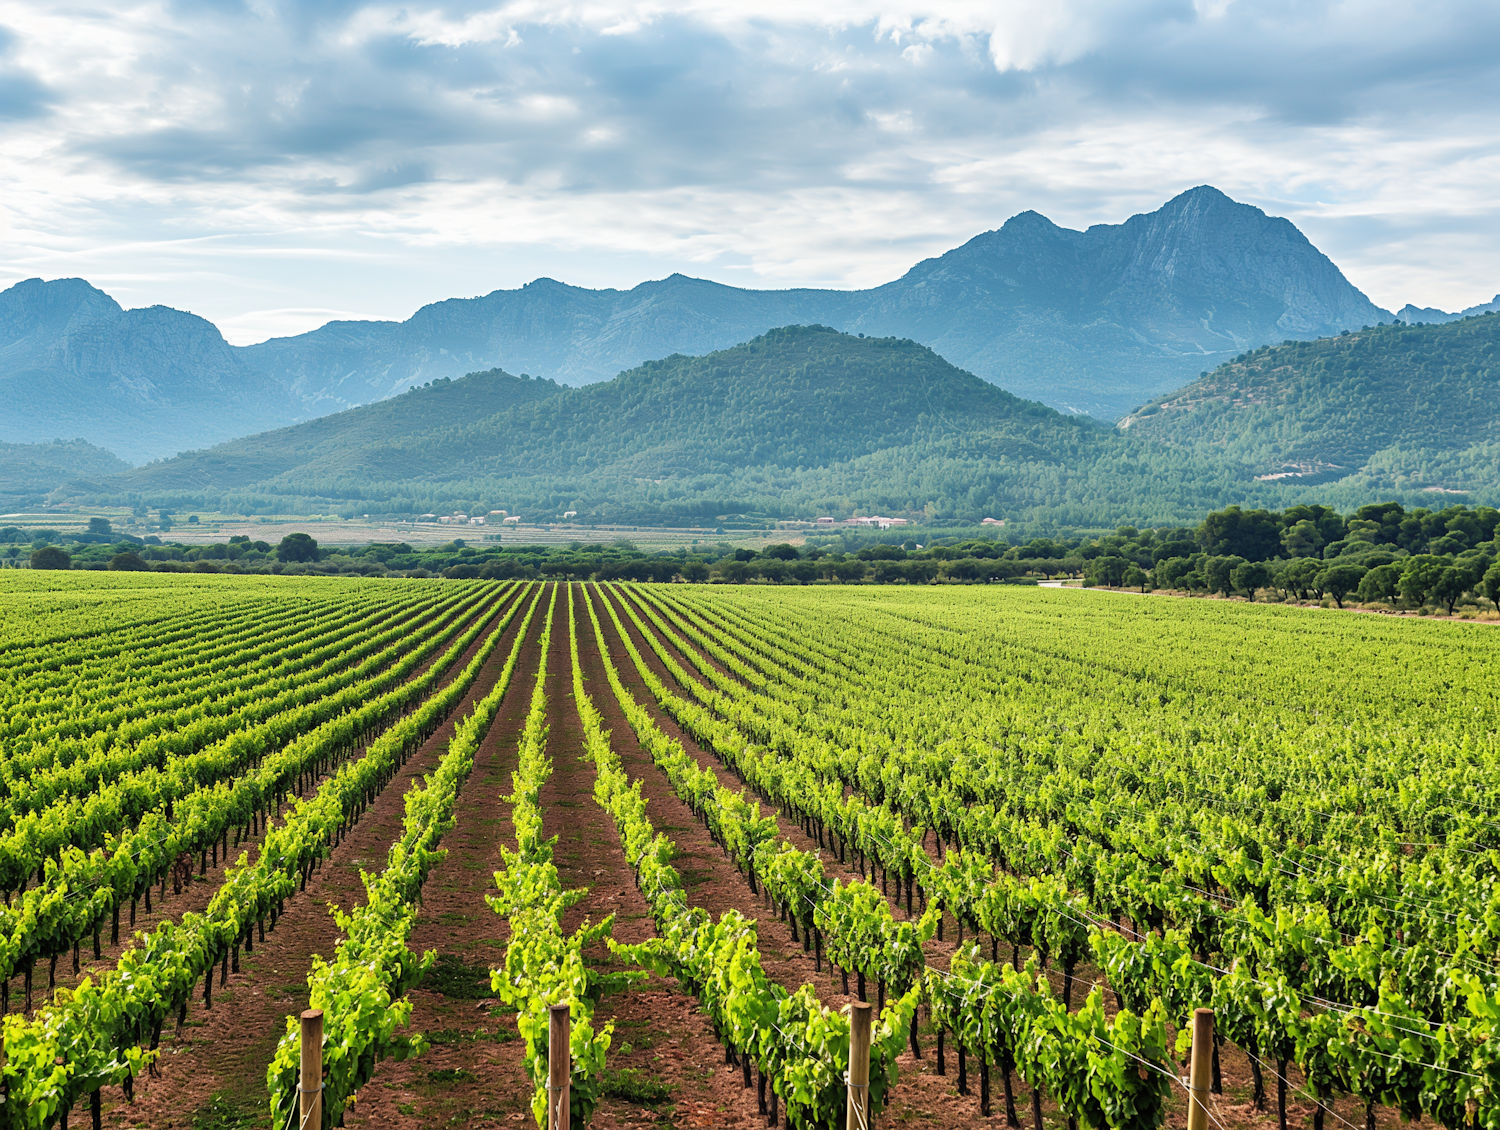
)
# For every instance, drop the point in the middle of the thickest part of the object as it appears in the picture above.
(271, 164)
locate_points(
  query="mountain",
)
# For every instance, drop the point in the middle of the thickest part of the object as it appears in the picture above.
(1413, 314)
(143, 383)
(1093, 322)
(1089, 321)
(1414, 408)
(566, 333)
(800, 421)
(29, 471)
(345, 441)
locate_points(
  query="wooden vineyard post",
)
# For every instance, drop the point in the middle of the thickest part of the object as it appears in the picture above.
(1202, 1068)
(859, 1066)
(559, 1068)
(310, 1087)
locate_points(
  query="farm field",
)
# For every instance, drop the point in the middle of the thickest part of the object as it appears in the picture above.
(1034, 829)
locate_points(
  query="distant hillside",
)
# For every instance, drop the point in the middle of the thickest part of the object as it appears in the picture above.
(546, 328)
(347, 440)
(29, 471)
(1392, 408)
(142, 383)
(1094, 321)
(800, 421)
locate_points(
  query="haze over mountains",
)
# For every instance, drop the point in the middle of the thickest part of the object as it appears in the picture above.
(1430, 316)
(802, 420)
(139, 383)
(806, 420)
(1092, 322)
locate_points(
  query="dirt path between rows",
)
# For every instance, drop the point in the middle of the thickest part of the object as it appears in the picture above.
(661, 1066)
(213, 1072)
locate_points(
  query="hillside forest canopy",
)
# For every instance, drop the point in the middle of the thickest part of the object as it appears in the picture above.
(805, 421)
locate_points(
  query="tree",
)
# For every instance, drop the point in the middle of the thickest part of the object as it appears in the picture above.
(781, 551)
(1219, 572)
(1451, 585)
(1386, 518)
(1299, 576)
(1251, 534)
(806, 572)
(99, 526)
(694, 571)
(1419, 577)
(1492, 585)
(733, 571)
(1170, 549)
(849, 571)
(1380, 583)
(1136, 577)
(297, 547)
(1107, 570)
(1325, 520)
(1169, 573)
(50, 557)
(1250, 576)
(1302, 539)
(1339, 579)
(129, 562)
(773, 569)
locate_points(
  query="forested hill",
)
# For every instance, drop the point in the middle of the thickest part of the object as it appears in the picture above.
(347, 440)
(30, 470)
(797, 397)
(799, 421)
(1394, 408)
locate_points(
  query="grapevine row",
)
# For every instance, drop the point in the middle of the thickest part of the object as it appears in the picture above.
(792, 1039)
(361, 991)
(1452, 1054)
(80, 890)
(92, 1036)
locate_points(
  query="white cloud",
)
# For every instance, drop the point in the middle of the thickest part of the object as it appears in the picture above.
(260, 163)
(1036, 33)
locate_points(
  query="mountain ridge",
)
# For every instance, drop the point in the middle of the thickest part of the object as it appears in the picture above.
(806, 421)
(1091, 322)
(1431, 315)
(1114, 298)
(74, 363)
(802, 412)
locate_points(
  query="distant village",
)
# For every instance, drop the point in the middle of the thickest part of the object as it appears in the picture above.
(459, 518)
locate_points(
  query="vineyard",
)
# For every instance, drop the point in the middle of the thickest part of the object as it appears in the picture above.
(1034, 830)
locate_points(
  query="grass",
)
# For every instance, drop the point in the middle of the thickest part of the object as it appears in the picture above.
(458, 980)
(450, 1075)
(222, 1113)
(442, 1037)
(632, 1085)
